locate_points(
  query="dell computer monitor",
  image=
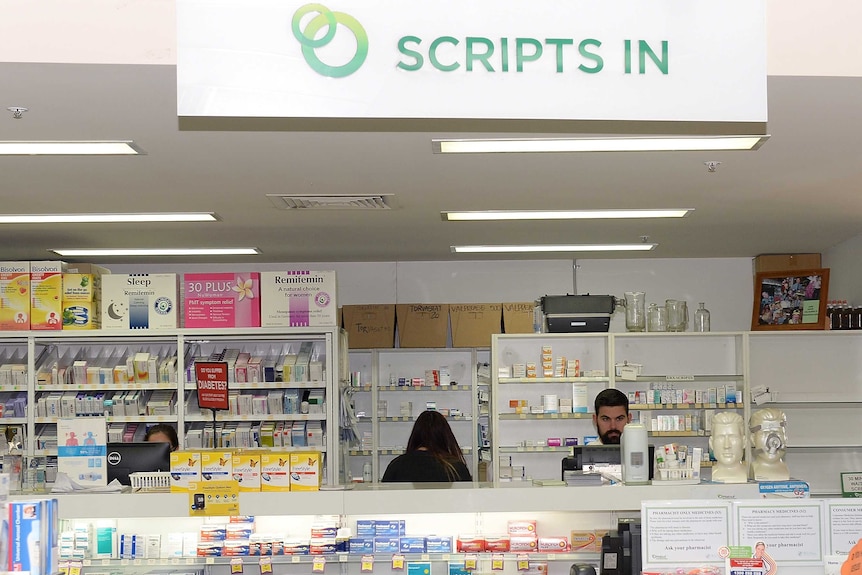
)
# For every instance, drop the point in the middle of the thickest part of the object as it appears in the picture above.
(126, 458)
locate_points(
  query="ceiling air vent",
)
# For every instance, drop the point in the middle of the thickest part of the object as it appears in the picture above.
(332, 202)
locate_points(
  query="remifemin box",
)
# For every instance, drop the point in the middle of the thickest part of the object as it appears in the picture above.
(139, 301)
(298, 299)
(185, 469)
(305, 471)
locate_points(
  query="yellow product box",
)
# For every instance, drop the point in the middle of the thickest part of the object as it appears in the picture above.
(600, 533)
(82, 300)
(46, 295)
(305, 471)
(14, 296)
(584, 541)
(185, 469)
(246, 470)
(216, 465)
(275, 471)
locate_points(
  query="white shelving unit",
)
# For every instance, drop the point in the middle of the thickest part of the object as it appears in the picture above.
(379, 371)
(40, 350)
(669, 360)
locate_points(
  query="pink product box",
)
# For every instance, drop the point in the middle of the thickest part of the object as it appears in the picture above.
(555, 442)
(553, 544)
(523, 544)
(522, 527)
(214, 300)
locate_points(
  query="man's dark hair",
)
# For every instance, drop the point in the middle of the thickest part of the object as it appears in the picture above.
(612, 398)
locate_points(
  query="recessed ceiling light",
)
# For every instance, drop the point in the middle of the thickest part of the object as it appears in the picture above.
(636, 144)
(489, 215)
(74, 252)
(553, 248)
(70, 148)
(105, 218)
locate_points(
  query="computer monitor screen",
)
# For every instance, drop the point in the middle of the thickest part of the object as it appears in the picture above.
(126, 458)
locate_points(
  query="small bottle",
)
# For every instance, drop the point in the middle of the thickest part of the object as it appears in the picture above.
(366, 472)
(701, 318)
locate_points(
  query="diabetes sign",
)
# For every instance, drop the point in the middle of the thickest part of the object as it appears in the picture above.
(212, 385)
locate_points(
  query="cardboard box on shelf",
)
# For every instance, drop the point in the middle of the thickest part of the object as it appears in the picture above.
(298, 298)
(786, 262)
(369, 326)
(518, 317)
(422, 324)
(139, 301)
(46, 295)
(14, 296)
(473, 323)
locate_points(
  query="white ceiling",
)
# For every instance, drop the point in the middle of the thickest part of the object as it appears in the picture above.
(798, 193)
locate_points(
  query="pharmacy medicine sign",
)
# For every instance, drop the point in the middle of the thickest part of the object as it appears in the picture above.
(651, 60)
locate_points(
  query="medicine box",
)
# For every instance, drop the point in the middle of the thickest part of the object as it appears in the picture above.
(14, 296)
(216, 300)
(305, 471)
(185, 469)
(216, 465)
(298, 299)
(246, 471)
(82, 296)
(46, 295)
(139, 301)
(275, 471)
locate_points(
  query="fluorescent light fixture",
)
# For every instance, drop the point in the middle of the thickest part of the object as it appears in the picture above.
(105, 218)
(493, 215)
(74, 252)
(553, 248)
(70, 148)
(636, 144)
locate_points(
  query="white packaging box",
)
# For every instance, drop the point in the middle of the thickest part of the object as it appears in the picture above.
(139, 301)
(298, 298)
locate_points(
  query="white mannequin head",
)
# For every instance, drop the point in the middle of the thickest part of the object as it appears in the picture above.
(727, 443)
(769, 440)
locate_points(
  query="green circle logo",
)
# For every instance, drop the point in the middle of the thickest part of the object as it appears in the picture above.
(310, 42)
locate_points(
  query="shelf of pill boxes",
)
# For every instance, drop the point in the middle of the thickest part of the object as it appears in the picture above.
(546, 378)
(417, 379)
(77, 373)
(508, 515)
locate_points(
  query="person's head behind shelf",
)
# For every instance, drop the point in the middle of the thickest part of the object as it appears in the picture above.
(611, 415)
(431, 433)
(164, 433)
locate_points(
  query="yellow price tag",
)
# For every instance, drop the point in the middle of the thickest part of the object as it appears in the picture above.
(398, 562)
(265, 565)
(497, 562)
(64, 567)
(367, 565)
(75, 567)
(523, 562)
(318, 564)
(236, 565)
(471, 562)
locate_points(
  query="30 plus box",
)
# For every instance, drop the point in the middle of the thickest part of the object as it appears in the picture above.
(298, 299)
(139, 301)
(214, 300)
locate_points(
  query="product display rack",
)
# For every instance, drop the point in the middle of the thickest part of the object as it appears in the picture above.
(40, 350)
(695, 361)
(378, 371)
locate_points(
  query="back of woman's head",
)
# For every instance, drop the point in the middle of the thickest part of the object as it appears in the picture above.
(432, 431)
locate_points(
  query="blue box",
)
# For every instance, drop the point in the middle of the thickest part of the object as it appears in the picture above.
(361, 545)
(389, 528)
(386, 544)
(412, 544)
(26, 532)
(365, 528)
(458, 568)
(418, 568)
(435, 544)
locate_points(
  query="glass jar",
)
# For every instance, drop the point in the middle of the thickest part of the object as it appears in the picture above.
(635, 313)
(677, 314)
(701, 318)
(657, 318)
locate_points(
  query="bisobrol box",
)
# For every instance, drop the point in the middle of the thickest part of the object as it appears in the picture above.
(298, 299)
(14, 296)
(46, 295)
(139, 301)
(216, 300)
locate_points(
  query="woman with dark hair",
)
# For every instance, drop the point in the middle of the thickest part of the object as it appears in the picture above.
(433, 454)
(164, 433)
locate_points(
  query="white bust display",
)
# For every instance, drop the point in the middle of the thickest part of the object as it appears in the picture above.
(769, 439)
(727, 443)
